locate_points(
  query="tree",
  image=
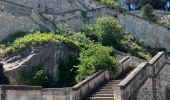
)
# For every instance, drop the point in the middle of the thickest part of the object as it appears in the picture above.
(106, 30)
(142, 3)
(147, 13)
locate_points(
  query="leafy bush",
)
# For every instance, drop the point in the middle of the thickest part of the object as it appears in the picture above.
(142, 3)
(94, 59)
(128, 44)
(37, 77)
(38, 38)
(63, 29)
(112, 3)
(80, 37)
(147, 13)
(106, 30)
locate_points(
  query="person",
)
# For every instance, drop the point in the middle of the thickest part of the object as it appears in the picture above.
(3, 78)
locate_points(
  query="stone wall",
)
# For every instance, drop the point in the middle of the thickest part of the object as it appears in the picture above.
(19, 92)
(149, 81)
(25, 15)
(33, 93)
(155, 35)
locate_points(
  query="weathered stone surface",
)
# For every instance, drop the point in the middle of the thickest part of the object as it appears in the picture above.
(25, 15)
(146, 91)
(46, 55)
(147, 82)
(155, 35)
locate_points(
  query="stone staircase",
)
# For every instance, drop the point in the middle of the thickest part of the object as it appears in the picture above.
(106, 90)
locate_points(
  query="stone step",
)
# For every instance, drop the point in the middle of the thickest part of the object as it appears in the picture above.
(105, 89)
(102, 95)
(104, 92)
(113, 82)
(100, 98)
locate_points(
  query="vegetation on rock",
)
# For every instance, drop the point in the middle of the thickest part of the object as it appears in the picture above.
(67, 71)
(37, 76)
(147, 13)
(97, 42)
(112, 3)
(94, 59)
(107, 31)
(37, 38)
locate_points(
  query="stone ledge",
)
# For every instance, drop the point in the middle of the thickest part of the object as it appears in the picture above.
(87, 80)
(156, 58)
(124, 59)
(19, 87)
(132, 75)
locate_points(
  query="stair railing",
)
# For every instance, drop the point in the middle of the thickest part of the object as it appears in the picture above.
(82, 89)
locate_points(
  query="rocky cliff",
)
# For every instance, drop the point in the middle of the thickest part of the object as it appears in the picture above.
(47, 55)
(25, 15)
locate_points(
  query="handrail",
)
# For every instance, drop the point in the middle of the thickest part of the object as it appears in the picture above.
(156, 58)
(87, 80)
(82, 83)
(124, 59)
(20, 87)
(139, 75)
(132, 75)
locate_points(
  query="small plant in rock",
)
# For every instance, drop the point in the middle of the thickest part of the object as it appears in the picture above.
(83, 13)
(63, 29)
(147, 13)
(37, 76)
(80, 37)
(112, 3)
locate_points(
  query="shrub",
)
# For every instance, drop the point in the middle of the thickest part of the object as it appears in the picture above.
(41, 78)
(37, 77)
(142, 3)
(94, 59)
(128, 44)
(112, 3)
(106, 30)
(147, 13)
(38, 38)
(63, 29)
(80, 37)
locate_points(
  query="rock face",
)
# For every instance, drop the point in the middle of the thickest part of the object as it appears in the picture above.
(165, 20)
(47, 55)
(25, 15)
